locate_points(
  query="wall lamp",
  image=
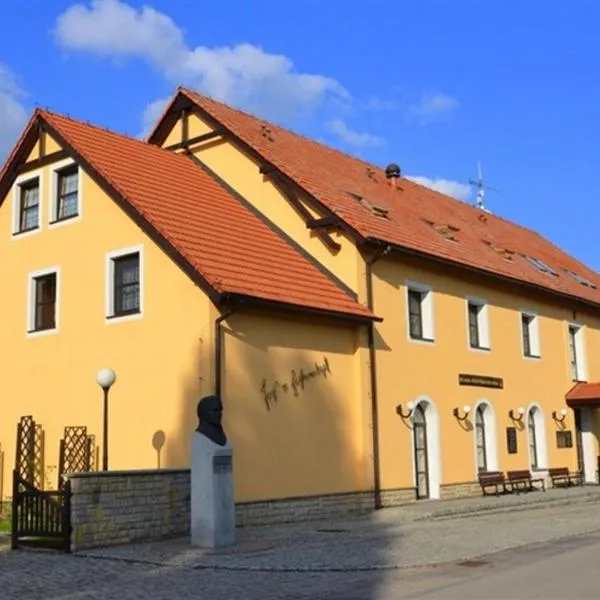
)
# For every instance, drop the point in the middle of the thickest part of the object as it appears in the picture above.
(514, 417)
(410, 406)
(562, 417)
(466, 410)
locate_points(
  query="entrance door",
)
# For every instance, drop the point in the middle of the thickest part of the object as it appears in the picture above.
(421, 459)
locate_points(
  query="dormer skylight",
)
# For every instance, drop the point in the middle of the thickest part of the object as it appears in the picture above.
(503, 252)
(446, 231)
(378, 211)
(541, 266)
(581, 279)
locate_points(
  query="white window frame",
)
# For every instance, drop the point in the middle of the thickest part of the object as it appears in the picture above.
(109, 284)
(427, 312)
(534, 335)
(483, 324)
(541, 440)
(579, 350)
(30, 320)
(53, 222)
(491, 438)
(16, 203)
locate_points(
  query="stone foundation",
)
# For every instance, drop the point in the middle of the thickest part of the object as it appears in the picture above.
(131, 506)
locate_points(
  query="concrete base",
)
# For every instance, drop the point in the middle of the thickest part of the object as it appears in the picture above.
(212, 501)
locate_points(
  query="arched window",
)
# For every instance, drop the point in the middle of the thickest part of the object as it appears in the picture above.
(533, 445)
(480, 439)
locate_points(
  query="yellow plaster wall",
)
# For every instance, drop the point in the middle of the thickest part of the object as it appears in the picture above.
(161, 360)
(241, 172)
(408, 371)
(310, 441)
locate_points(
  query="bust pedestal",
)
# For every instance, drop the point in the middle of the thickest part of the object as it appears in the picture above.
(212, 500)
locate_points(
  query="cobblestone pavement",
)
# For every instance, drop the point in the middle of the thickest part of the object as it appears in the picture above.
(367, 559)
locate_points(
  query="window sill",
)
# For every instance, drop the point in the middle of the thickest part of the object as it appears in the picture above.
(64, 219)
(421, 340)
(25, 231)
(122, 317)
(532, 356)
(480, 348)
(41, 332)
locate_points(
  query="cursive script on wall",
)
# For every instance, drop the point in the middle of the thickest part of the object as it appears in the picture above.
(295, 384)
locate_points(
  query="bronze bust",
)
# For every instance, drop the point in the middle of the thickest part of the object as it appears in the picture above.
(210, 413)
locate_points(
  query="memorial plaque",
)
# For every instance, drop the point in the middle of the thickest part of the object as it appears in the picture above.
(564, 439)
(222, 464)
(511, 440)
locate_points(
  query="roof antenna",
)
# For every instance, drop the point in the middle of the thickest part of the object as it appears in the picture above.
(481, 189)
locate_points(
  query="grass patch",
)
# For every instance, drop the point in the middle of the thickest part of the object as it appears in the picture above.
(5, 518)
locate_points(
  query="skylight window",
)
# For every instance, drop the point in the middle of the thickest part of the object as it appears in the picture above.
(541, 266)
(378, 211)
(503, 252)
(581, 279)
(446, 231)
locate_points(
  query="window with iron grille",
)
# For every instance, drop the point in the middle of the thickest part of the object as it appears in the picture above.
(67, 199)
(29, 205)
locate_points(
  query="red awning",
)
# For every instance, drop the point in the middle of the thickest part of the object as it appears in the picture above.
(584, 394)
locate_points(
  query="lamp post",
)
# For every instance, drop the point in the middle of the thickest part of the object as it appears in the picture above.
(105, 379)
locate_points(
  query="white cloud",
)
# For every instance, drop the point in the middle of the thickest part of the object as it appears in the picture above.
(433, 107)
(352, 137)
(152, 113)
(13, 115)
(242, 75)
(458, 190)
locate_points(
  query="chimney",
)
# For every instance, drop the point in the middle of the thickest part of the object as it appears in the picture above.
(392, 172)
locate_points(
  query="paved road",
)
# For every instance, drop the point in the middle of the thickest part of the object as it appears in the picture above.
(554, 568)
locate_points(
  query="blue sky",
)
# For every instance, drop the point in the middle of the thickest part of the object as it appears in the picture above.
(433, 85)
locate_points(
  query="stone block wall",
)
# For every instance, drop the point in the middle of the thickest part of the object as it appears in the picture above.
(131, 506)
(123, 507)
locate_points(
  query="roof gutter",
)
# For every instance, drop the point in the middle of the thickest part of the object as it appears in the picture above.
(373, 377)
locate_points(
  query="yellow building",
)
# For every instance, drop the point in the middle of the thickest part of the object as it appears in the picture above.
(478, 313)
(371, 339)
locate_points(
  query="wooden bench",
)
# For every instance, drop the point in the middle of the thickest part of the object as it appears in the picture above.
(561, 477)
(493, 479)
(523, 480)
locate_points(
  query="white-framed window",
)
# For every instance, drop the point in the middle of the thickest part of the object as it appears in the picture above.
(27, 203)
(478, 326)
(536, 438)
(577, 358)
(66, 201)
(486, 450)
(124, 284)
(43, 296)
(419, 312)
(530, 334)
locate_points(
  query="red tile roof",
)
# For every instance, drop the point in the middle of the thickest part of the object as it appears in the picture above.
(583, 393)
(227, 245)
(414, 212)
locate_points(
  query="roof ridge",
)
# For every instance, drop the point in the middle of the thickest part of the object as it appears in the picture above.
(284, 128)
(187, 90)
(41, 112)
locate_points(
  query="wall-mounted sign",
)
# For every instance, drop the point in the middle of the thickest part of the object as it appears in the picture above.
(480, 380)
(511, 440)
(295, 384)
(564, 439)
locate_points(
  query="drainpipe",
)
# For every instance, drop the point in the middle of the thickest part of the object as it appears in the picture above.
(219, 350)
(373, 365)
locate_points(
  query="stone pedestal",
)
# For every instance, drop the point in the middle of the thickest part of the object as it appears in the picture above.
(212, 500)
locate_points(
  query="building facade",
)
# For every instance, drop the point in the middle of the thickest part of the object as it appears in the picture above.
(368, 336)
